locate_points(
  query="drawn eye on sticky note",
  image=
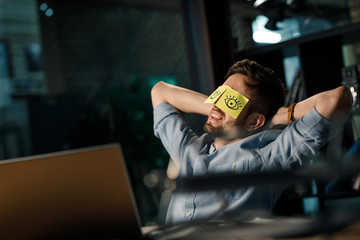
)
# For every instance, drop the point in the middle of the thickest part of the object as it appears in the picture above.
(216, 94)
(232, 102)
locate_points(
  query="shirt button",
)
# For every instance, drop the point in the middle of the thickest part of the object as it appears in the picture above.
(188, 214)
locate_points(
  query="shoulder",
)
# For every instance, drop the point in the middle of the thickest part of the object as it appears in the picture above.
(265, 137)
(255, 142)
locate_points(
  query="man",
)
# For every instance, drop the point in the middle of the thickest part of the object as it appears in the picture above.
(239, 137)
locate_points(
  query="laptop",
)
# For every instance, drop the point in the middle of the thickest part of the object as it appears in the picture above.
(75, 194)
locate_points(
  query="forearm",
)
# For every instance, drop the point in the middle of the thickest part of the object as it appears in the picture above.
(183, 99)
(334, 105)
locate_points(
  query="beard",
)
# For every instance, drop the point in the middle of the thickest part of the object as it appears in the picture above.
(217, 132)
(225, 133)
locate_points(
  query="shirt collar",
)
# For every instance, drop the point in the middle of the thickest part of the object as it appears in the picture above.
(212, 149)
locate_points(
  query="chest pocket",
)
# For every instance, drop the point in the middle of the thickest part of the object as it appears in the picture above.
(241, 168)
(238, 168)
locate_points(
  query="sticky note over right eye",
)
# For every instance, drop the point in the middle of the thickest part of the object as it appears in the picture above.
(232, 102)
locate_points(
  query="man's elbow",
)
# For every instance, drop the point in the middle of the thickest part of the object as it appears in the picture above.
(339, 104)
(343, 98)
(156, 95)
(156, 89)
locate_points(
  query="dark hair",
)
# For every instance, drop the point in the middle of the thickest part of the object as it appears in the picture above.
(268, 90)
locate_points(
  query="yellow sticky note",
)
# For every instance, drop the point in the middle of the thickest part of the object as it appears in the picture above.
(232, 102)
(216, 94)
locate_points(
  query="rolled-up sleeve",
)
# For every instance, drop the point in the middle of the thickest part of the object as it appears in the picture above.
(300, 141)
(172, 130)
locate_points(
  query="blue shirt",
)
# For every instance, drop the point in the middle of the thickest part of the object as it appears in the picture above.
(265, 151)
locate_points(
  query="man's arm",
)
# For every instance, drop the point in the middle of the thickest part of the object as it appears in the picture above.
(183, 99)
(334, 105)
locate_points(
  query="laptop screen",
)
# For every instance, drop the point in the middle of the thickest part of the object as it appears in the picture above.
(68, 194)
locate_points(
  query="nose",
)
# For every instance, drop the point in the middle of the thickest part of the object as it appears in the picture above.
(216, 108)
(216, 101)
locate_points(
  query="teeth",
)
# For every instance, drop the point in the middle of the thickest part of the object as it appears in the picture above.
(215, 116)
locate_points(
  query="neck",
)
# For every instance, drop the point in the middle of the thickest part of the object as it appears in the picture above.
(220, 142)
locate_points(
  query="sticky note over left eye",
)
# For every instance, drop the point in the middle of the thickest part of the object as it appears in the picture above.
(232, 102)
(216, 94)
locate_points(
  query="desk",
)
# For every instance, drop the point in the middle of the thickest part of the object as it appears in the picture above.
(281, 228)
(349, 233)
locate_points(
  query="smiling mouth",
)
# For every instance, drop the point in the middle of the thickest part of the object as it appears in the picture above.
(215, 116)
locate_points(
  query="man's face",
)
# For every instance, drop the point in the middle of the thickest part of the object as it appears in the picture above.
(223, 125)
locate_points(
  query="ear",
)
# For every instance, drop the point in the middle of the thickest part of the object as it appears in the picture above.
(255, 121)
